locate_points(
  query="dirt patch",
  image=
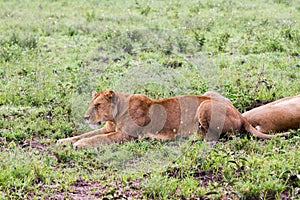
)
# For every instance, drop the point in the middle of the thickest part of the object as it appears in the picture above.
(82, 189)
(173, 64)
(204, 176)
(175, 172)
(88, 189)
(35, 143)
(285, 195)
(104, 60)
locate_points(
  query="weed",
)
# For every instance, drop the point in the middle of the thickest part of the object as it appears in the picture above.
(221, 42)
(90, 16)
(200, 39)
(144, 9)
(8, 52)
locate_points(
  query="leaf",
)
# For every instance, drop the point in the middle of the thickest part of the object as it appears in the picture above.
(233, 161)
(212, 192)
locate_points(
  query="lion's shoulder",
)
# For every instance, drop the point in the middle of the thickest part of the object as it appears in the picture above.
(138, 107)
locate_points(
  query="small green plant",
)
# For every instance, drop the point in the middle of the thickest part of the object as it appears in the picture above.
(285, 2)
(144, 10)
(161, 187)
(71, 31)
(221, 41)
(90, 16)
(200, 39)
(19, 171)
(9, 52)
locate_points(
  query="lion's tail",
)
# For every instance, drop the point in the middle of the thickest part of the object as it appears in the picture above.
(248, 127)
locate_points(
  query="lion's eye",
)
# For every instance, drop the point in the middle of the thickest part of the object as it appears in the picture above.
(97, 104)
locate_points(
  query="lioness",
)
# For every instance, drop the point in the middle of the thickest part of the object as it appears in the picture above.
(277, 116)
(129, 116)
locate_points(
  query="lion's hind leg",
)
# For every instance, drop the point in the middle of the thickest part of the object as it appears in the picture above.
(211, 117)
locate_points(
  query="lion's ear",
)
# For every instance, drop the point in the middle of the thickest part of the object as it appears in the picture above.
(110, 94)
(94, 94)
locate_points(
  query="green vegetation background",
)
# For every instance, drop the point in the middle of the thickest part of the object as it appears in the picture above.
(53, 54)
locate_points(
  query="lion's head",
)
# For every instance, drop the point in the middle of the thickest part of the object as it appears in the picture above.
(100, 108)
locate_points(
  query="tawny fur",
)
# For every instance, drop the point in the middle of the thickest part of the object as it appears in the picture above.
(130, 116)
(277, 116)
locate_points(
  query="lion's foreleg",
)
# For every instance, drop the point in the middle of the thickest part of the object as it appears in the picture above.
(113, 137)
(109, 127)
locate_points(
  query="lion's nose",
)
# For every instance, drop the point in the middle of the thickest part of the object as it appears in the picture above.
(86, 117)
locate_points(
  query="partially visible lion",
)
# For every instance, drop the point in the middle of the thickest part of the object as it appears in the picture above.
(129, 116)
(277, 116)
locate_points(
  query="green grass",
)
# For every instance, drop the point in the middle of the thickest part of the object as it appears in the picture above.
(53, 54)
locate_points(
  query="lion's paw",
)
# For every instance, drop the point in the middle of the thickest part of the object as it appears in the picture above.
(80, 144)
(64, 141)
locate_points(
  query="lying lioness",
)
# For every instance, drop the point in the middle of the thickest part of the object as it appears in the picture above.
(130, 116)
(277, 116)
